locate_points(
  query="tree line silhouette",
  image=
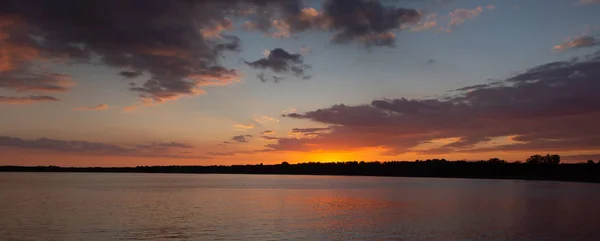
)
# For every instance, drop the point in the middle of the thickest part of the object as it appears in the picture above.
(536, 167)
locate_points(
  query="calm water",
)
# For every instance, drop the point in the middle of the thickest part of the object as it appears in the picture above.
(82, 206)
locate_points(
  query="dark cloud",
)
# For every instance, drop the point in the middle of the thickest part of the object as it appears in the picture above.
(26, 99)
(96, 148)
(163, 39)
(549, 107)
(270, 138)
(472, 87)
(172, 144)
(281, 62)
(130, 74)
(177, 44)
(368, 21)
(267, 133)
(358, 19)
(242, 138)
(309, 130)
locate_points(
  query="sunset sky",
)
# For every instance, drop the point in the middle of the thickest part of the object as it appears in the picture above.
(153, 82)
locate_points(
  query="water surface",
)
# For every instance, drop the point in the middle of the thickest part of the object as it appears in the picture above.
(120, 206)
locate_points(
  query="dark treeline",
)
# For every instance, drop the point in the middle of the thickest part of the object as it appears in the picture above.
(534, 168)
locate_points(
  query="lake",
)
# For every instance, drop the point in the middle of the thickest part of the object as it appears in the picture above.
(121, 206)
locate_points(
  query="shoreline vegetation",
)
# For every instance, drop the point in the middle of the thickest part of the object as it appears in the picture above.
(536, 167)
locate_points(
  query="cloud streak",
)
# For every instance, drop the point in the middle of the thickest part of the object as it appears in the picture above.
(27, 99)
(97, 107)
(577, 42)
(163, 150)
(243, 127)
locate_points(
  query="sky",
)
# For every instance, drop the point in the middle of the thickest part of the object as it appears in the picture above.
(213, 82)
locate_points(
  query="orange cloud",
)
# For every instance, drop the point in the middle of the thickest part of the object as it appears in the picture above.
(429, 22)
(130, 108)
(12, 55)
(458, 16)
(216, 30)
(265, 119)
(98, 107)
(243, 127)
(577, 42)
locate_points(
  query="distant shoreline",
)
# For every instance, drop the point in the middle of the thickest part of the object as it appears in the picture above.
(580, 172)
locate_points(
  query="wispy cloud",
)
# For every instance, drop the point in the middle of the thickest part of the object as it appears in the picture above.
(27, 99)
(79, 147)
(98, 107)
(459, 16)
(267, 133)
(130, 108)
(587, 2)
(265, 119)
(243, 127)
(577, 42)
(242, 138)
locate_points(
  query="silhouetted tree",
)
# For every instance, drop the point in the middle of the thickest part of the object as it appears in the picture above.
(539, 159)
(591, 162)
(496, 160)
(492, 168)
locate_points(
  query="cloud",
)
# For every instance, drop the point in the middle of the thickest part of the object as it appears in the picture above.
(164, 145)
(429, 22)
(21, 81)
(243, 127)
(309, 130)
(459, 16)
(550, 107)
(264, 119)
(178, 44)
(586, 2)
(367, 21)
(130, 108)
(446, 23)
(305, 50)
(217, 28)
(242, 138)
(270, 138)
(594, 157)
(281, 62)
(26, 100)
(130, 74)
(233, 153)
(98, 107)
(97, 148)
(267, 133)
(356, 19)
(578, 42)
